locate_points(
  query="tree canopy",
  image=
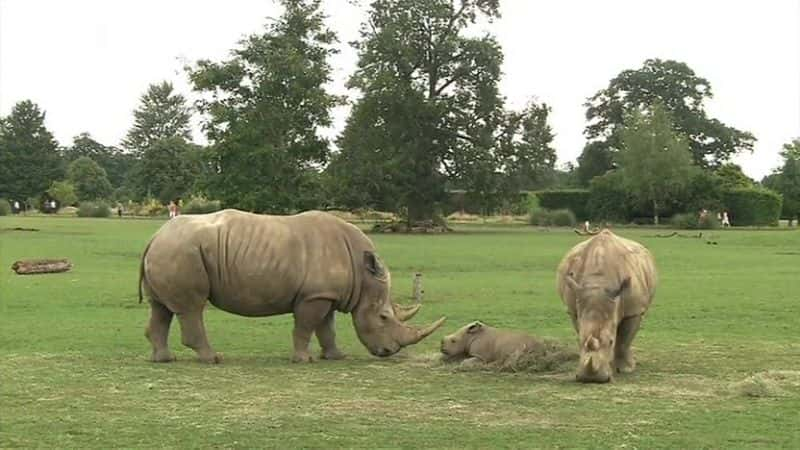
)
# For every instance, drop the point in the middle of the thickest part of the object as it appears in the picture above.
(162, 114)
(430, 110)
(655, 161)
(682, 93)
(89, 179)
(29, 157)
(264, 109)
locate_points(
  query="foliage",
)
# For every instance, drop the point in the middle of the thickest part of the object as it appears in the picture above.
(655, 162)
(5, 207)
(595, 160)
(113, 160)
(576, 200)
(150, 207)
(162, 114)
(200, 205)
(683, 93)
(431, 114)
(89, 179)
(63, 192)
(703, 191)
(609, 200)
(692, 221)
(753, 206)
(29, 158)
(169, 168)
(94, 209)
(552, 218)
(786, 180)
(265, 107)
(730, 176)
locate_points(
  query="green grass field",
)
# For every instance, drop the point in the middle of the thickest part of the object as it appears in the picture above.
(718, 355)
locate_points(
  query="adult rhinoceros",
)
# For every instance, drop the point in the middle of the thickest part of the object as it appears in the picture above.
(311, 264)
(607, 284)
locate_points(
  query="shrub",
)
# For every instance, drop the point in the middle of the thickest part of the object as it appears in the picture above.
(94, 209)
(609, 201)
(201, 205)
(691, 221)
(575, 200)
(552, 218)
(5, 207)
(753, 206)
(151, 207)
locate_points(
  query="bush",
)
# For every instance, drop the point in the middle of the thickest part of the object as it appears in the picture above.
(5, 207)
(609, 201)
(151, 208)
(200, 205)
(94, 209)
(575, 200)
(691, 221)
(753, 206)
(552, 218)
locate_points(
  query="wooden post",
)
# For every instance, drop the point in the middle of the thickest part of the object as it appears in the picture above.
(418, 291)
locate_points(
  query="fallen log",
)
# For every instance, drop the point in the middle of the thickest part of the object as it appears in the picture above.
(37, 266)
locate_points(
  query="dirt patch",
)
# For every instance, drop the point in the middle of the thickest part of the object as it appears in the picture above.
(771, 383)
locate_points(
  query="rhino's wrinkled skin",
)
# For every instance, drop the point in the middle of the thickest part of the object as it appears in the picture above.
(607, 284)
(311, 264)
(484, 343)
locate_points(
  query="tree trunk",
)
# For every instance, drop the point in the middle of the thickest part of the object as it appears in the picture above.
(36, 266)
(655, 212)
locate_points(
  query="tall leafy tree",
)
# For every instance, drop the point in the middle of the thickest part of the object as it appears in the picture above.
(655, 161)
(169, 168)
(786, 180)
(29, 156)
(113, 160)
(430, 111)
(731, 177)
(595, 160)
(264, 108)
(683, 93)
(162, 114)
(89, 179)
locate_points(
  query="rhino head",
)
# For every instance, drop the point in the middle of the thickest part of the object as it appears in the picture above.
(599, 311)
(457, 344)
(379, 323)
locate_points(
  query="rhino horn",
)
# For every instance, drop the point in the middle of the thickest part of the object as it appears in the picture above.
(412, 335)
(404, 313)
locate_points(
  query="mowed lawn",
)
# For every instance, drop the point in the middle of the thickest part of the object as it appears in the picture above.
(719, 352)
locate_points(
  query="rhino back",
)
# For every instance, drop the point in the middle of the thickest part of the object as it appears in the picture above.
(259, 265)
(616, 258)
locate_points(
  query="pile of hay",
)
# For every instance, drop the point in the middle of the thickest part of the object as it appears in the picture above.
(771, 383)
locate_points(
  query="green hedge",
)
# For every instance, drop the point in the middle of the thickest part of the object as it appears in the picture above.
(552, 218)
(200, 205)
(5, 207)
(94, 209)
(575, 200)
(609, 201)
(752, 206)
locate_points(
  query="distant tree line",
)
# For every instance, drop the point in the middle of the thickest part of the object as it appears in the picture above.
(427, 119)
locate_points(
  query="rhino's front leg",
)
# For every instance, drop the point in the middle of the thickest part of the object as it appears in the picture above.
(623, 354)
(326, 334)
(308, 317)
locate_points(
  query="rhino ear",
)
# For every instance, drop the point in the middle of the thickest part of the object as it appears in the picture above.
(373, 264)
(475, 327)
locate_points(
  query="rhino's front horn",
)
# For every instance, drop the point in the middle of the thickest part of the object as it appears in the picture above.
(410, 336)
(404, 313)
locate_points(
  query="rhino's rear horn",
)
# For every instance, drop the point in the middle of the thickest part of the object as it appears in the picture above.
(404, 313)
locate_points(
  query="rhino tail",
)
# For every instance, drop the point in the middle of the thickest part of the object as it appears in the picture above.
(141, 270)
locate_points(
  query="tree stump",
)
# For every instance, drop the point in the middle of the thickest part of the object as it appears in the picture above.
(418, 291)
(37, 266)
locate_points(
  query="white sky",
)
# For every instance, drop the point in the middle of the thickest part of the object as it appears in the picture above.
(87, 62)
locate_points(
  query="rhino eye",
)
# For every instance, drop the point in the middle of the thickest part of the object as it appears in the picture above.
(384, 317)
(453, 341)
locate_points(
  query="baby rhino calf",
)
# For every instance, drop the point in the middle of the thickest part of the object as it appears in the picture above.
(477, 342)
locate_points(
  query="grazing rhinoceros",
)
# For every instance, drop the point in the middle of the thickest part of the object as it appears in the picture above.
(484, 343)
(607, 284)
(311, 264)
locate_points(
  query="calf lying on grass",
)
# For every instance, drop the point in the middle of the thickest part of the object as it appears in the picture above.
(477, 344)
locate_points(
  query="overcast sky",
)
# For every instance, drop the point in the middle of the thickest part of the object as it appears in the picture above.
(87, 62)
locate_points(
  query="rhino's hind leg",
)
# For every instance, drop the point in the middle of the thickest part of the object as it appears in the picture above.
(326, 335)
(157, 332)
(193, 335)
(623, 353)
(309, 315)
